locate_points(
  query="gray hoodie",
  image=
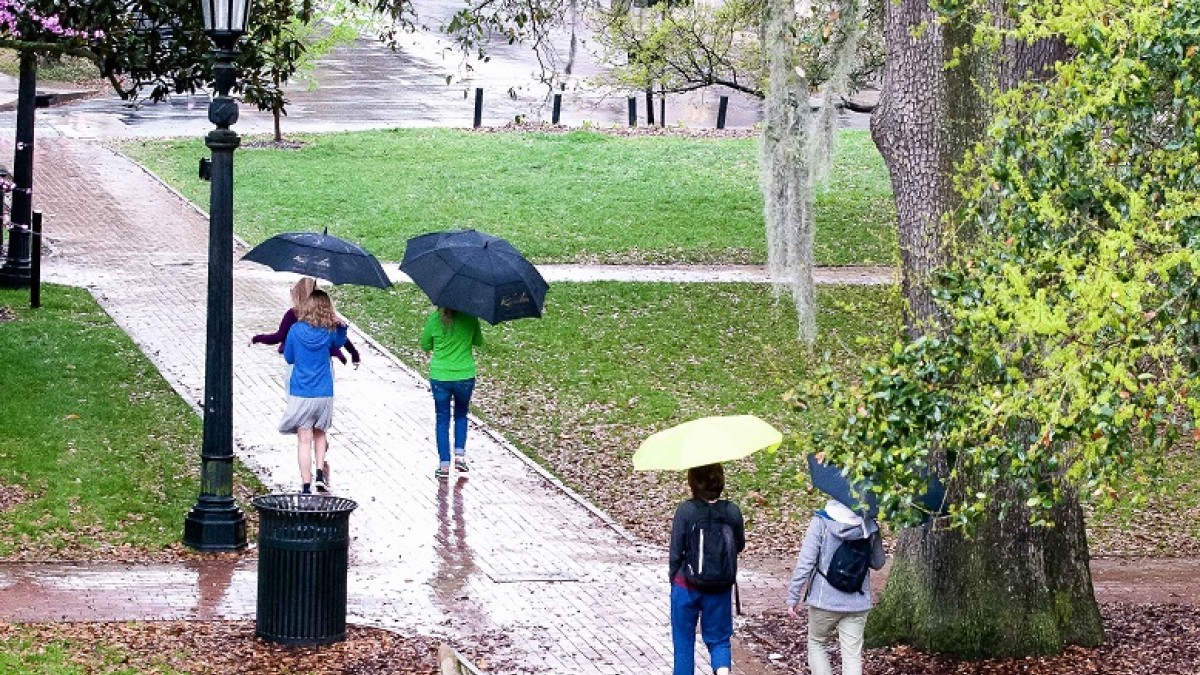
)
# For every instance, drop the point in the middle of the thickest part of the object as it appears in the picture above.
(828, 529)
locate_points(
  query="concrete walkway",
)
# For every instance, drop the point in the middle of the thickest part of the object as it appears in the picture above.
(510, 558)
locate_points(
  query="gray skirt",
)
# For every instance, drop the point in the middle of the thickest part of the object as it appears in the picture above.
(307, 413)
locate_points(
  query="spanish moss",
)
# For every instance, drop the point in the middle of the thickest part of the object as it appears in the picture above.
(797, 144)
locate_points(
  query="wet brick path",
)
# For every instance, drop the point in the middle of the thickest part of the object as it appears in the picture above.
(509, 552)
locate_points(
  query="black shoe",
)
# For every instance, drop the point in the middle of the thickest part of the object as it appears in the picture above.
(460, 464)
(320, 481)
(306, 489)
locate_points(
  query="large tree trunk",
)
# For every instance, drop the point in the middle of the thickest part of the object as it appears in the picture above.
(1012, 589)
(927, 117)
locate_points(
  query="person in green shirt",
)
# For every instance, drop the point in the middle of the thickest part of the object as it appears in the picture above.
(452, 337)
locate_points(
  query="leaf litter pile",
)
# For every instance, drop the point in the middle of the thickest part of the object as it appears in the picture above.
(217, 648)
(1140, 640)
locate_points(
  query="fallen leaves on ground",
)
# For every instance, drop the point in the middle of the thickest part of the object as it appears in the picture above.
(96, 544)
(221, 648)
(10, 496)
(1141, 639)
(595, 460)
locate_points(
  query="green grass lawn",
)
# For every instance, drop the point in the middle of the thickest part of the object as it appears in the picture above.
(97, 452)
(614, 362)
(22, 655)
(574, 197)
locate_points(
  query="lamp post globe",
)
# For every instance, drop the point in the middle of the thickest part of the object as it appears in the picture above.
(216, 523)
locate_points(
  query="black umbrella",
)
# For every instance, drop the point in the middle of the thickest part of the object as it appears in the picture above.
(475, 273)
(831, 481)
(322, 256)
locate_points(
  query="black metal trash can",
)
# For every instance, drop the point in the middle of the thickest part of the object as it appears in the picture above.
(303, 546)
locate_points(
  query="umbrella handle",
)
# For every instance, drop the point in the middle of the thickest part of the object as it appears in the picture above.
(737, 599)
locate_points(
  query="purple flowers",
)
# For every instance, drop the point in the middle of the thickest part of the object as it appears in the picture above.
(17, 18)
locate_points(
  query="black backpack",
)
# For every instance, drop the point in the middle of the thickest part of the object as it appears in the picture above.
(710, 554)
(848, 568)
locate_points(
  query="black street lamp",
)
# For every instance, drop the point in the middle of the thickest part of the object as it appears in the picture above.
(215, 523)
(17, 268)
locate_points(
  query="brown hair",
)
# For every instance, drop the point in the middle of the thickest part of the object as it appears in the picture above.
(300, 292)
(318, 311)
(447, 317)
(707, 482)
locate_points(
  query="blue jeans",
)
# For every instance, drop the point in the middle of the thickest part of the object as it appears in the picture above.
(715, 612)
(458, 391)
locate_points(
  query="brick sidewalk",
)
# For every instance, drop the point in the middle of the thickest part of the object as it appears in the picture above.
(510, 552)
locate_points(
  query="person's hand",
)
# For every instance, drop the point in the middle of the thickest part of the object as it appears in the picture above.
(356, 365)
(793, 613)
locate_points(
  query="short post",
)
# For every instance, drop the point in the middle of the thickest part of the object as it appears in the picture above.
(662, 110)
(649, 106)
(721, 109)
(632, 111)
(557, 112)
(35, 264)
(478, 106)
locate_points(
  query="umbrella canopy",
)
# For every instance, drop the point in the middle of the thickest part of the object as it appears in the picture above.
(475, 273)
(831, 481)
(708, 440)
(322, 256)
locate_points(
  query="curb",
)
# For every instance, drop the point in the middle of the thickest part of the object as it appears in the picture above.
(478, 424)
(451, 662)
(45, 99)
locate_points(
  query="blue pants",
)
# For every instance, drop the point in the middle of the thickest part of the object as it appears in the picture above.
(445, 392)
(715, 613)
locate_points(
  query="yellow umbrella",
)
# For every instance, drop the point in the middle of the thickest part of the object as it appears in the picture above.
(708, 440)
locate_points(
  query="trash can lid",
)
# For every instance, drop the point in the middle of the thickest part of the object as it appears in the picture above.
(292, 503)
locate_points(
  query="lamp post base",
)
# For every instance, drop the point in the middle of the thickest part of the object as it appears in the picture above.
(214, 528)
(17, 271)
(15, 278)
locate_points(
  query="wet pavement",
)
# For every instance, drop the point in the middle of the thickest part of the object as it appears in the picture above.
(367, 85)
(509, 551)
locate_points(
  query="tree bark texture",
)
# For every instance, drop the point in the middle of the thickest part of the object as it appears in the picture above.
(928, 115)
(1012, 588)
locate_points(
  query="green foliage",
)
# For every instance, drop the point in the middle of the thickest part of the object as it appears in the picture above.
(288, 39)
(1073, 330)
(52, 68)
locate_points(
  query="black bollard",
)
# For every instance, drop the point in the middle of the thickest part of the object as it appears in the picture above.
(633, 111)
(662, 110)
(721, 112)
(478, 106)
(557, 113)
(649, 107)
(35, 263)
